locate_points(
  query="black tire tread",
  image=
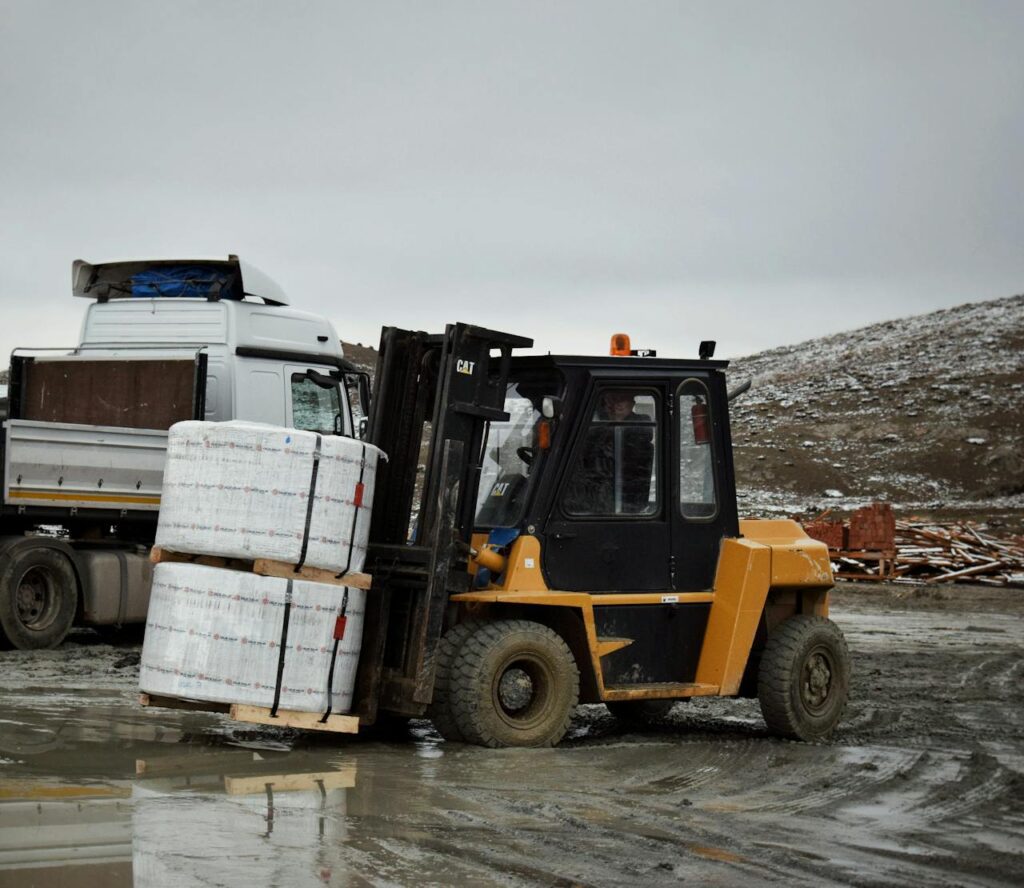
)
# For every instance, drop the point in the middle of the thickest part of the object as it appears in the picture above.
(775, 675)
(12, 633)
(440, 712)
(466, 670)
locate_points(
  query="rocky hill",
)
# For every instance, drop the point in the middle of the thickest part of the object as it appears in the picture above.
(925, 412)
(363, 356)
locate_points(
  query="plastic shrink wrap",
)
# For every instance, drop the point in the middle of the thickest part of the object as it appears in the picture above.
(242, 490)
(216, 635)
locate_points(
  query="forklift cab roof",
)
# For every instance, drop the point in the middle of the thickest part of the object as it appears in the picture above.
(614, 364)
(210, 278)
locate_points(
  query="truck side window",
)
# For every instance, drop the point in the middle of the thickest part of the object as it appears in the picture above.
(616, 470)
(697, 498)
(314, 407)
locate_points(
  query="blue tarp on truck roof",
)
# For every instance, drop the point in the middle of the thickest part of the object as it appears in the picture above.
(178, 281)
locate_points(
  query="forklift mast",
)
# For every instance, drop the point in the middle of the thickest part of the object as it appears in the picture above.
(433, 396)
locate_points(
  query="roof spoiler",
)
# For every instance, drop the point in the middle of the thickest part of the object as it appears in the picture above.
(100, 280)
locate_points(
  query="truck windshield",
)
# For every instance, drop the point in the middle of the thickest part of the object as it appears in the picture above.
(511, 453)
(314, 407)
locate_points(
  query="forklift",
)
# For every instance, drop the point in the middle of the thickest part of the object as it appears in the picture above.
(554, 530)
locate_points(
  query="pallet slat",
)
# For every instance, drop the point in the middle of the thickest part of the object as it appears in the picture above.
(259, 715)
(264, 567)
(290, 718)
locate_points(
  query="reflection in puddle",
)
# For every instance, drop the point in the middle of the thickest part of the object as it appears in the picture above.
(253, 825)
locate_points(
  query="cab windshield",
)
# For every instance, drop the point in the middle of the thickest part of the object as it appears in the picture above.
(512, 456)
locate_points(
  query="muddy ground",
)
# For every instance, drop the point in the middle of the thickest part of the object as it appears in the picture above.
(924, 784)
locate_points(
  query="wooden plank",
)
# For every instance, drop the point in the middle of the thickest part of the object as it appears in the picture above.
(269, 568)
(290, 718)
(159, 555)
(266, 567)
(177, 703)
(970, 571)
(343, 778)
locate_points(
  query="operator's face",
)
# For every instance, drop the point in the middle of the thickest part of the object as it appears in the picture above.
(617, 405)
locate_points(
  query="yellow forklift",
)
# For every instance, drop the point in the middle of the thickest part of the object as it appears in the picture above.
(554, 530)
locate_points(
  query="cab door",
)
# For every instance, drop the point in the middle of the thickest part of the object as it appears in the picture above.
(608, 529)
(703, 508)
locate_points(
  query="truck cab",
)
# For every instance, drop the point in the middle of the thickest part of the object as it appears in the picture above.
(83, 443)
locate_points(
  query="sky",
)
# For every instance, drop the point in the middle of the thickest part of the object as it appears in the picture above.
(754, 173)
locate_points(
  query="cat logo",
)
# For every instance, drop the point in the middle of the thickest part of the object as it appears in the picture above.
(465, 367)
(500, 489)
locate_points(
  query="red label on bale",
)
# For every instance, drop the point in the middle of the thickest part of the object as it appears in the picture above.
(339, 628)
(357, 500)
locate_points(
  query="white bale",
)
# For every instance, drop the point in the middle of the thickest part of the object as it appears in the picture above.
(215, 635)
(241, 490)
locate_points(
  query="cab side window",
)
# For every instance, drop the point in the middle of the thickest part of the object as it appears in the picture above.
(615, 471)
(315, 408)
(697, 496)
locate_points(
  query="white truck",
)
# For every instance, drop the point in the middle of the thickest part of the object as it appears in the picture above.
(84, 433)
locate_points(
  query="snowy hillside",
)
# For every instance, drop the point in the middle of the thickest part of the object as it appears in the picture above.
(927, 412)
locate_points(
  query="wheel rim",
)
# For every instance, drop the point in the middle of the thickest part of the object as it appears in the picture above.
(817, 679)
(522, 691)
(38, 599)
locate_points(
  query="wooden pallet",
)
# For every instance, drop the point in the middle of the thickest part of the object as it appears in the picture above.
(259, 715)
(265, 567)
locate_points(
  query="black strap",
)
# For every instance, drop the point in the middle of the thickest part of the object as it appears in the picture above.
(309, 504)
(284, 643)
(334, 657)
(355, 519)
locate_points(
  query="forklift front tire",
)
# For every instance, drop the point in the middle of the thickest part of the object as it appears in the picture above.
(804, 678)
(513, 683)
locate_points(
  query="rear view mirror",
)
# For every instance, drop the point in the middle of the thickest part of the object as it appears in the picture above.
(551, 407)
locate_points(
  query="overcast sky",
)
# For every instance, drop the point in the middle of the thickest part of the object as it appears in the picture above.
(756, 173)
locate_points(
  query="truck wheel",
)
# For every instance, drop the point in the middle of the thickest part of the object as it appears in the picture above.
(804, 678)
(440, 711)
(640, 712)
(38, 599)
(513, 683)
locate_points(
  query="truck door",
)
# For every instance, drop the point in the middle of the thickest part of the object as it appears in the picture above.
(609, 526)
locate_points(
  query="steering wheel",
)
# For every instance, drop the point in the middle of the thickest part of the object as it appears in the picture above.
(526, 454)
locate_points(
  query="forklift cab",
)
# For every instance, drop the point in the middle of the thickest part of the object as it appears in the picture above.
(620, 467)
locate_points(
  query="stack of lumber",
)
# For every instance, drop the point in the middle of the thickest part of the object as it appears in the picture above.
(930, 552)
(946, 553)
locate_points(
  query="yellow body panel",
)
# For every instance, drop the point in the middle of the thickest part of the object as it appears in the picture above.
(797, 560)
(741, 587)
(771, 555)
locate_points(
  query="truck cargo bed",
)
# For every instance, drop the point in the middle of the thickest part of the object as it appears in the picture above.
(82, 466)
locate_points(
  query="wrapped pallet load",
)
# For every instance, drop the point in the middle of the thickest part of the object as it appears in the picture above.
(228, 636)
(243, 490)
(297, 499)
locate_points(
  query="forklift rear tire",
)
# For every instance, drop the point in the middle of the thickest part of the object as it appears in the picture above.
(640, 712)
(38, 599)
(440, 711)
(804, 678)
(513, 683)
